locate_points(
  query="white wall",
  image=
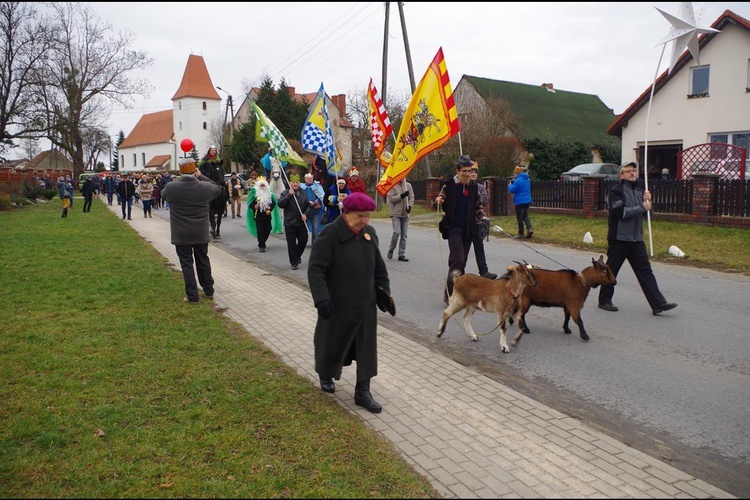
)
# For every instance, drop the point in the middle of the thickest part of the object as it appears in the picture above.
(675, 119)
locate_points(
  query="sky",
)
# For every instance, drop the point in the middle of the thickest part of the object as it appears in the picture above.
(608, 49)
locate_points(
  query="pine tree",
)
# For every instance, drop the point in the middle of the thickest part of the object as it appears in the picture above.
(115, 156)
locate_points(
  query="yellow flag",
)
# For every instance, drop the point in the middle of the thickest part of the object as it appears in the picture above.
(430, 119)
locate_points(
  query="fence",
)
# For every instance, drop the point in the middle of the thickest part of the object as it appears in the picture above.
(705, 198)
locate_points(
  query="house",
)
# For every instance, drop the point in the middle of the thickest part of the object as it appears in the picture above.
(51, 162)
(539, 111)
(153, 144)
(341, 127)
(693, 105)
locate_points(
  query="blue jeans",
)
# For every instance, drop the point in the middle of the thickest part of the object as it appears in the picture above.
(129, 204)
(314, 224)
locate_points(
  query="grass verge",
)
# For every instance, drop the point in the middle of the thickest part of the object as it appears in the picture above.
(113, 388)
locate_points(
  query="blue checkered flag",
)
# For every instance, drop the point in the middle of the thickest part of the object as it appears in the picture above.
(317, 136)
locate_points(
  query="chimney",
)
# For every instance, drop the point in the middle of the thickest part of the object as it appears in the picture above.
(340, 102)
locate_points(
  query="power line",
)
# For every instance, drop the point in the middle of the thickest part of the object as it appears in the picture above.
(314, 38)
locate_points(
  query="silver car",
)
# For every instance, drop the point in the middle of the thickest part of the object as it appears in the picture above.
(609, 170)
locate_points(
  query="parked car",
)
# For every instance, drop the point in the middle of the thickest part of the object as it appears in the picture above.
(609, 170)
(243, 180)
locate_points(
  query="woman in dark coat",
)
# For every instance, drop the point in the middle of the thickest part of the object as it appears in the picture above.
(344, 269)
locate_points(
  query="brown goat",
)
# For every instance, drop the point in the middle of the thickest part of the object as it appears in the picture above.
(474, 293)
(567, 289)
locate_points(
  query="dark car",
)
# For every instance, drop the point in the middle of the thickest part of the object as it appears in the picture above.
(609, 170)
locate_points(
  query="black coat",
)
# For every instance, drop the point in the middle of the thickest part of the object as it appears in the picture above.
(345, 268)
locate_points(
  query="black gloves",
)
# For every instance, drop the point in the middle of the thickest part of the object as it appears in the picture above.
(325, 308)
(404, 194)
(408, 210)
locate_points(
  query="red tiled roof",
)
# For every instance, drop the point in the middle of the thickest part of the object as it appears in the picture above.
(153, 128)
(158, 161)
(196, 82)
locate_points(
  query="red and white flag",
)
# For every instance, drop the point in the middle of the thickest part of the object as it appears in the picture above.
(380, 125)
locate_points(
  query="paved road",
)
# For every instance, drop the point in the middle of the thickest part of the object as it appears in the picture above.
(675, 386)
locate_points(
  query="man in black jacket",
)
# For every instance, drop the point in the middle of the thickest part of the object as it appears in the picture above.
(296, 208)
(188, 220)
(460, 201)
(126, 189)
(627, 203)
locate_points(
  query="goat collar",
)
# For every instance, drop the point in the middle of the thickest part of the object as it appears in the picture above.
(511, 292)
(583, 280)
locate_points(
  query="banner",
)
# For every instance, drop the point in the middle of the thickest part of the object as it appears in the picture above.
(317, 136)
(266, 131)
(430, 119)
(380, 125)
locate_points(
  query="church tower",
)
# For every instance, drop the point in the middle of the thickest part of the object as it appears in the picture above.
(196, 106)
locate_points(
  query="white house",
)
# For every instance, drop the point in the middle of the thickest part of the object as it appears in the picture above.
(695, 103)
(154, 143)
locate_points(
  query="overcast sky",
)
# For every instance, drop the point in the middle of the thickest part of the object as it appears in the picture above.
(604, 49)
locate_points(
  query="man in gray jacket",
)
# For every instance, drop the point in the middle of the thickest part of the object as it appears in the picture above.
(627, 203)
(400, 201)
(188, 220)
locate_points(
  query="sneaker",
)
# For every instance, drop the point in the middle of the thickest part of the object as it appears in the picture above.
(390, 254)
(530, 234)
(208, 297)
(185, 299)
(295, 267)
(608, 307)
(262, 250)
(664, 307)
(403, 259)
(239, 216)
(489, 275)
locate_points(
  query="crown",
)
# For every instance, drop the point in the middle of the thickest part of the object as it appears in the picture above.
(260, 178)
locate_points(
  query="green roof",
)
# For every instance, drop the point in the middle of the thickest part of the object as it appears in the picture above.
(544, 114)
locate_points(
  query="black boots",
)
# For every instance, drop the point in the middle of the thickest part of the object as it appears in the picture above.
(362, 397)
(327, 385)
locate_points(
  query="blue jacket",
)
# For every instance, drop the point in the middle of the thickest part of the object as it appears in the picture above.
(521, 189)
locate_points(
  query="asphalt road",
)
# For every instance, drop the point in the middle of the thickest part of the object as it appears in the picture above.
(675, 386)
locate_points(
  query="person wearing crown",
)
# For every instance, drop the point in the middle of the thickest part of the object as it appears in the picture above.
(263, 216)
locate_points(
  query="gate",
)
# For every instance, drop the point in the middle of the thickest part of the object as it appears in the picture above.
(729, 161)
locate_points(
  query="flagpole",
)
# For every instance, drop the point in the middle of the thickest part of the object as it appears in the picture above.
(645, 150)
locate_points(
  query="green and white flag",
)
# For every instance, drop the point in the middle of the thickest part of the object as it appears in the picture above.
(268, 132)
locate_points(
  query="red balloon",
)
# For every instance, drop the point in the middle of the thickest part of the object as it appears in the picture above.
(186, 145)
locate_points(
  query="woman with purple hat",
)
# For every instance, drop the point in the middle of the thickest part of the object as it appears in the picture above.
(348, 280)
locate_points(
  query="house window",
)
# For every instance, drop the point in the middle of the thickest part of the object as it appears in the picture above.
(204, 106)
(699, 81)
(143, 157)
(205, 126)
(180, 125)
(179, 105)
(135, 157)
(747, 82)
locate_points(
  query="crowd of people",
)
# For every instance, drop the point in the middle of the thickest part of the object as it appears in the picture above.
(333, 215)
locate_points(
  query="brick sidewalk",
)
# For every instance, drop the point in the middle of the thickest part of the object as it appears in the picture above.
(470, 436)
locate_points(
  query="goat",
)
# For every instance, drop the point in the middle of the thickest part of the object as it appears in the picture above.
(567, 289)
(474, 293)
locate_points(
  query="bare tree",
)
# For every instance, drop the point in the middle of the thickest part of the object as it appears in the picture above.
(31, 148)
(88, 67)
(25, 41)
(96, 142)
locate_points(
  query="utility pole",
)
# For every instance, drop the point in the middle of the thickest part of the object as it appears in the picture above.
(385, 80)
(428, 170)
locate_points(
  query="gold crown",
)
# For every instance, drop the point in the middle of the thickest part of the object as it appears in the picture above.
(260, 178)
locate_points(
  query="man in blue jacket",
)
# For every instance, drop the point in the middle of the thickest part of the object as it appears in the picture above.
(520, 187)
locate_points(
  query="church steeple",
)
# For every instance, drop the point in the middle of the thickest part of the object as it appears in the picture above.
(196, 82)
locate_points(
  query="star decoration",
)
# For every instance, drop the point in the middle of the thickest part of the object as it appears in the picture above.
(684, 32)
